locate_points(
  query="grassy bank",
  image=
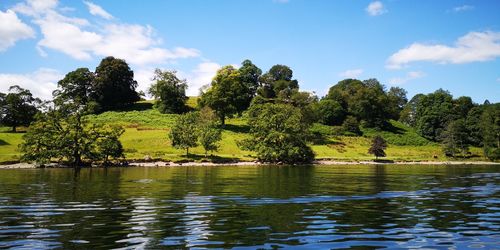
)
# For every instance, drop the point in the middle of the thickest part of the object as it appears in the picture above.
(146, 133)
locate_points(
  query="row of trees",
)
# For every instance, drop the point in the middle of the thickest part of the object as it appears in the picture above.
(457, 123)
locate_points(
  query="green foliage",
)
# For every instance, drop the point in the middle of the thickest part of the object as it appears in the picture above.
(277, 80)
(455, 139)
(378, 147)
(368, 101)
(351, 125)
(227, 94)
(398, 134)
(433, 112)
(114, 85)
(209, 133)
(331, 112)
(249, 75)
(278, 134)
(490, 127)
(184, 134)
(77, 87)
(18, 107)
(68, 136)
(169, 92)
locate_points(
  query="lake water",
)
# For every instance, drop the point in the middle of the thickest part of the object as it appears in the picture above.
(438, 207)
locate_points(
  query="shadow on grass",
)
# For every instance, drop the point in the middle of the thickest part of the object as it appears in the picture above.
(3, 143)
(393, 129)
(210, 158)
(383, 161)
(138, 106)
(237, 128)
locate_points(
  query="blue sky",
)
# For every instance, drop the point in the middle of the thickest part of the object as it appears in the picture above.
(418, 45)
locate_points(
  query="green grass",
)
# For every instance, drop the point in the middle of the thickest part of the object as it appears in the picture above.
(146, 136)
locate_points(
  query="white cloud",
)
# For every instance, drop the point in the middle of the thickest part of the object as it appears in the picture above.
(41, 83)
(97, 10)
(412, 75)
(202, 75)
(375, 8)
(473, 47)
(463, 8)
(12, 29)
(80, 39)
(351, 73)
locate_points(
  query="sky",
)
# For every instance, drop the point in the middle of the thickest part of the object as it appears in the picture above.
(420, 46)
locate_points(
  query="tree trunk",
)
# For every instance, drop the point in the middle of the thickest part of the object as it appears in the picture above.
(187, 152)
(223, 120)
(14, 129)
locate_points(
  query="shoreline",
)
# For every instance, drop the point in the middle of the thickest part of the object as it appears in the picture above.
(255, 163)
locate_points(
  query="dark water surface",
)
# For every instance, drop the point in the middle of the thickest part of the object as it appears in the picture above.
(437, 207)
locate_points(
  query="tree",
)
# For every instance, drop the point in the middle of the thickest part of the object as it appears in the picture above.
(169, 92)
(184, 134)
(331, 112)
(408, 115)
(277, 79)
(278, 134)
(249, 75)
(490, 127)
(77, 87)
(378, 146)
(397, 101)
(367, 101)
(227, 94)
(455, 139)
(114, 85)
(351, 124)
(18, 107)
(209, 133)
(63, 133)
(433, 112)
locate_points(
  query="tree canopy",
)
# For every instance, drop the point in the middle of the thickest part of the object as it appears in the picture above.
(169, 92)
(278, 134)
(18, 107)
(114, 85)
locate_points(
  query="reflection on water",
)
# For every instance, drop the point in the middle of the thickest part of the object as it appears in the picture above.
(452, 207)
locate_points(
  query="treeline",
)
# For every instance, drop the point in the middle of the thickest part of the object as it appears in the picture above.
(279, 114)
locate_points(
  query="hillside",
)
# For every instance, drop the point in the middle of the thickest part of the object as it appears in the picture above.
(146, 133)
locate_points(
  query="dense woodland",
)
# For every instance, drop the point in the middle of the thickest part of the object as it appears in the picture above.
(279, 114)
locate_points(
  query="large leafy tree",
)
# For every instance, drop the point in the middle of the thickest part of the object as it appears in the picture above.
(227, 94)
(64, 134)
(114, 85)
(249, 75)
(209, 133)
(367, 100)
(169, 92)
(77, 88)
(278, 134)
(433, 113)
(184, 132)
(490, 127)
(456, 138)
(278, 79)
(18, 107)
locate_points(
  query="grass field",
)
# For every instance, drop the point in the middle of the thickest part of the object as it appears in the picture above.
(146, 136)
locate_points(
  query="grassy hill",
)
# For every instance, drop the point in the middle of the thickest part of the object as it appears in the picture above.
(146, 135)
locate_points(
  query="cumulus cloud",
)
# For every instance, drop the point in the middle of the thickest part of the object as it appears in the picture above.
(200, 76)
(41, 83)
(80, 39)
(12, 29)
(375, 8)
(412, 75)
(351, 73)
(462, 8)
(473, 47)
(97, 10)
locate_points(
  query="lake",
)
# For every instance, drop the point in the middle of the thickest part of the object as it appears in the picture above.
(248, 207)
